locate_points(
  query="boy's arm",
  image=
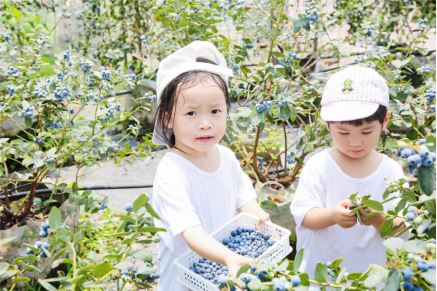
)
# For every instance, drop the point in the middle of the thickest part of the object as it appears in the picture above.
(321, 218)
(207, 247)
(377, 220)
(253, 207)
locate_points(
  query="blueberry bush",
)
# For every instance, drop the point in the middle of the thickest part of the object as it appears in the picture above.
(80, 259)
(43, 95)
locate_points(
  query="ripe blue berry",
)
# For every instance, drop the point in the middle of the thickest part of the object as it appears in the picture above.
(295, 280)
(29, 251)
(128, 206)
(253, 267)
(43, 233)
(38, 244)
(407, 273)
(408, 286)
(278, 285)
(46, 245)
(423, 266)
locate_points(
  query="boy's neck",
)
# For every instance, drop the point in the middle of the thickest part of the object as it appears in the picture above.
(356, 167)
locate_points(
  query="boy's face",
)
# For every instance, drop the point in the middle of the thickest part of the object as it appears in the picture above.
(199, 120)
(356, 141)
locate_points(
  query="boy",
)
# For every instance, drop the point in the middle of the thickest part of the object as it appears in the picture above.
(354, 108)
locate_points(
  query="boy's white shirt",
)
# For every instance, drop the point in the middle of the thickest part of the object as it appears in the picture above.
(323, 184)
(185, 196)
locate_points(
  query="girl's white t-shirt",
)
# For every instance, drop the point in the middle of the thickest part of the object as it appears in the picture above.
(185, 196)
(323, 184)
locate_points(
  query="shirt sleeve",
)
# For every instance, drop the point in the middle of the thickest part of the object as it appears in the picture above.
(245, 190)
(308, 194)
(172, 203)
(398, 174)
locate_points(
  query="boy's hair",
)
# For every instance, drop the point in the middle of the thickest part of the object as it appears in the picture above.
(379, 115)
(171, 93)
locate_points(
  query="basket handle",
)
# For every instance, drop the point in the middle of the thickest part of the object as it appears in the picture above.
(275, 183)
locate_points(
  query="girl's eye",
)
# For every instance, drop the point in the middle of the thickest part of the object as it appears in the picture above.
(215, 111)
(191, 113)
(367, 132)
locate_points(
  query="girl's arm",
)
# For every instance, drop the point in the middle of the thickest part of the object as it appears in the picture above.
(207, 247)
(253, 207)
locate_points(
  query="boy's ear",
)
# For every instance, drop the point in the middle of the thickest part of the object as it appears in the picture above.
(327, 126)
(386, 120)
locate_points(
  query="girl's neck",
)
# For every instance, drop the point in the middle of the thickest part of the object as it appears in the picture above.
(208, 161)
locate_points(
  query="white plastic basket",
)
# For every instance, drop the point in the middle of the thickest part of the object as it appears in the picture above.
(274, 254)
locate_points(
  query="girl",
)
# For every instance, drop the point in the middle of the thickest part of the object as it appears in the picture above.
(199, 184)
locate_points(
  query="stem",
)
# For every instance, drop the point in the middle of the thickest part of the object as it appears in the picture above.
(285, 138)
(6, 188)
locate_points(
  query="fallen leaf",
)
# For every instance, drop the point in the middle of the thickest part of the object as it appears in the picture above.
(278, 199)
(40, 215)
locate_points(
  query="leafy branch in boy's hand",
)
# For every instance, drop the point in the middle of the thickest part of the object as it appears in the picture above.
(362, 203)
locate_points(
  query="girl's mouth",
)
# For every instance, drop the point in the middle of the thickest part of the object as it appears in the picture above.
(204, 138)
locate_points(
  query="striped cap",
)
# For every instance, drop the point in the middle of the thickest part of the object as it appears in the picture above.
(353, 93)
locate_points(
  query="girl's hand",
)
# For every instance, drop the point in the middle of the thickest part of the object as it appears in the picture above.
(234, 262)
(263, 217)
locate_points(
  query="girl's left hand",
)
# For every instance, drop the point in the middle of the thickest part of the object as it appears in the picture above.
(373, 221)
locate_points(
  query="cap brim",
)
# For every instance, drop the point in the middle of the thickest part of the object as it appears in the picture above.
(347, 110)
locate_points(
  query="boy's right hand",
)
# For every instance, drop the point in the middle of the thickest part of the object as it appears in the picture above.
(342, 215)
(235, 261)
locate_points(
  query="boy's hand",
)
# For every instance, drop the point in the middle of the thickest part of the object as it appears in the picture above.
(235, 261)
(375, 221)
(342, 215)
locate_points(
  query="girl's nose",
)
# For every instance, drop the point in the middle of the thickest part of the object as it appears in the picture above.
(205, 124)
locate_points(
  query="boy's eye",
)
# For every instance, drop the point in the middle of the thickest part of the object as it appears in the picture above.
(343, 133)
(191, 113)
(367, 132)
(215, 111)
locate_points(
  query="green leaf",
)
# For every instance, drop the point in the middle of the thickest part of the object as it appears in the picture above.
(2, 140)
(152, 211)
(308, 129)
(370, 215)
(3, 267)
(321, 273)
(254, 284)
(298, 261)
(268, 204)
(386, 228)
(374, 279)
(394, 244)
(284, 112)
(151, 229)
(335, 264)
(399, 64)
(47, 285)
(426, 180)
(102, 269)
(393, 280)
(28, 122)
(55, 218)
(139, 202)
(374, 205)
(7, 240)
(47, 70)
(242, 270)
(144, 256)
(430, 205)
(430, 143)
(298, 25)
(122, 265)
(429, 276)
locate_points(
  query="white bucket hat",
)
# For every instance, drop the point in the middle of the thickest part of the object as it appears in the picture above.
(182, 61)
(353, 93)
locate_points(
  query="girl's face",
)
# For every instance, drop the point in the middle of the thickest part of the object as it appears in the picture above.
(199, 118)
